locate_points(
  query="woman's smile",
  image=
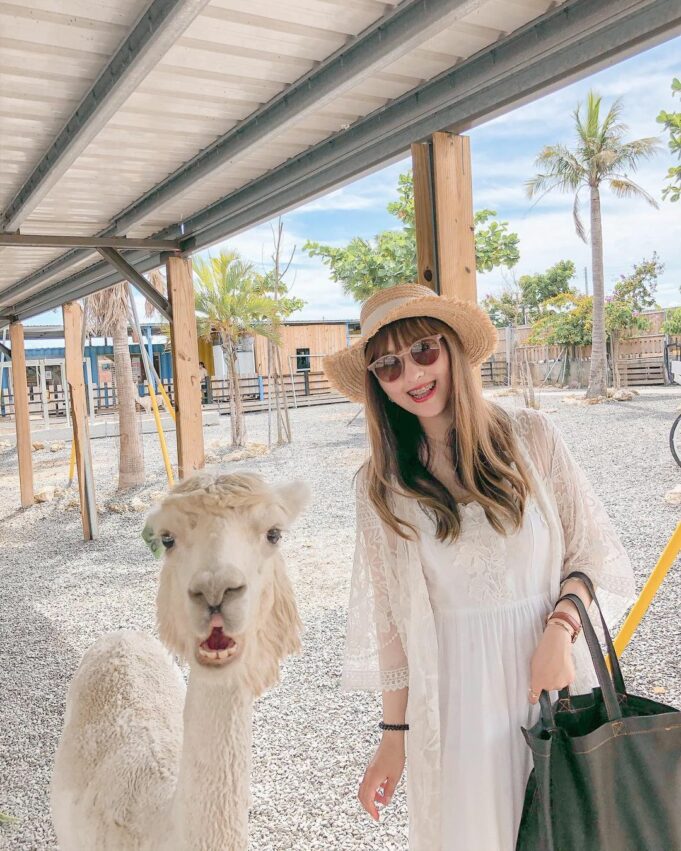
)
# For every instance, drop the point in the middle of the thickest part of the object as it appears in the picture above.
(423, 392)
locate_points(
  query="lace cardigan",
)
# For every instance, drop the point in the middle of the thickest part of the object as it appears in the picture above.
(379, 606)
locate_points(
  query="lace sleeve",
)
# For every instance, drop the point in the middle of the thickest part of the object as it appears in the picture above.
(591, 543)
(374, 656)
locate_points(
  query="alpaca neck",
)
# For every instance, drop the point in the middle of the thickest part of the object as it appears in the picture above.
(210, 808)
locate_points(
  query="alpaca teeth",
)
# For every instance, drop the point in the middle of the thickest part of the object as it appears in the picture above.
(217, 655)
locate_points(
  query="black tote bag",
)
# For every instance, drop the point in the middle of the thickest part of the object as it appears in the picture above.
(607, 765)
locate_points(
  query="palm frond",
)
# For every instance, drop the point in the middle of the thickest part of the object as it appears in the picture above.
(158, 282)
(576, 216)
(104, 309)
(623, 187)
(612, 127)
(563, 172)
(229, 299)
(628, 154)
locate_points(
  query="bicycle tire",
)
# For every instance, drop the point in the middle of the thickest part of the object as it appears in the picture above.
(672, 434)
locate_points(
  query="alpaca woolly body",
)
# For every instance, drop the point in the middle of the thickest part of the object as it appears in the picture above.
(119, 756)
(145, 764)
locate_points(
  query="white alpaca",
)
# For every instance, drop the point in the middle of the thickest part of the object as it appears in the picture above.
(143, 764)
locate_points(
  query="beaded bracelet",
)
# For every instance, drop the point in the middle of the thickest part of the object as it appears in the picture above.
(383, 726)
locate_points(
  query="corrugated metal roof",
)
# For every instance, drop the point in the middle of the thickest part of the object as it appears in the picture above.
(233, 58)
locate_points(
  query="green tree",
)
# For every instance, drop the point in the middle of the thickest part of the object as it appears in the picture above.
(506, 308)
(268, 285)
(672, 324)
(639, 287)
(524, 300)
(566, 321)
(366, 265)
(671, 121)
(600, 156)
(230, 305)
(536, 289)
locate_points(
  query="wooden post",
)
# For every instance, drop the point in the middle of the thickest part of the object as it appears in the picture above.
(21, 416)
(73, 356)
(443, 204)
(444, 221)
(185, 353)
(424, 214)
(454, 216)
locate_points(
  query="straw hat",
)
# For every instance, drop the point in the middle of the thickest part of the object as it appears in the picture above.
(346, 369)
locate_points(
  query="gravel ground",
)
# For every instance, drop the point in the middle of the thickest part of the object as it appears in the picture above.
(312, 742)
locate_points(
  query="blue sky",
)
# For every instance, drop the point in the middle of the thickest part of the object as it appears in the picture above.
(503, 152)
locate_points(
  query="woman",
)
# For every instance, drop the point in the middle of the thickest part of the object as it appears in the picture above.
(468, 519)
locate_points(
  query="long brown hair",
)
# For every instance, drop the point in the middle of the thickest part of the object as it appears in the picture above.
(483, 449)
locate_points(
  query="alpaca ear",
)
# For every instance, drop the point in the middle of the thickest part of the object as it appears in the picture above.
(151, 533)
(278, 632)
(293, 497)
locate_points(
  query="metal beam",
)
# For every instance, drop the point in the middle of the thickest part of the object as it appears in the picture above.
(410, 25)
(34, 240)
(6, 351)
(154, 33)
(567, 43)
(140, 283)
(379, 45)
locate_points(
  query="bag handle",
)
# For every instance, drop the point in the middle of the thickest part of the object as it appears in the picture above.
(617, 677)
(612, 706)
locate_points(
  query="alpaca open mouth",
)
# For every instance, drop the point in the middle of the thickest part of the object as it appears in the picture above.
(218, 649)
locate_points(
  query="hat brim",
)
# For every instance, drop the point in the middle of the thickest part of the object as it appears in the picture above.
(346, 370)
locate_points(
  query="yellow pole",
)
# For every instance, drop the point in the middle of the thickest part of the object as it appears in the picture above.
(161, 435)
(166, 400)
(651, 587)
(72, 462)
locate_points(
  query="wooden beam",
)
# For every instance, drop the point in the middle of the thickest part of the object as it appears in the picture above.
(185, 354)
(36, 240)
(426, 253)
(454, 228)
(73, 355)
(21, 416)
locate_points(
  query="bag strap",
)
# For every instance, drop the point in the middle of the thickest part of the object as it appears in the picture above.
(612, 706)
(617, 677)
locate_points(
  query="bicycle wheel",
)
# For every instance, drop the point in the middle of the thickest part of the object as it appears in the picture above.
(675, 440)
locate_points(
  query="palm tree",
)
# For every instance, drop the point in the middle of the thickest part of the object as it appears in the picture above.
(230, 305)
(106, 314)
(600, 156)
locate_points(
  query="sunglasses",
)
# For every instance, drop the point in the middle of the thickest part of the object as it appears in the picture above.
(423, 352)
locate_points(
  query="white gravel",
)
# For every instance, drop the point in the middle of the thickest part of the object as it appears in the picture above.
(311, 742)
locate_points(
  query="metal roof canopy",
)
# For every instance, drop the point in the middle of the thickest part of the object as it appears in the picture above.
(566, 43)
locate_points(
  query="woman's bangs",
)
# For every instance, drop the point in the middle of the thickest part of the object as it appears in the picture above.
(399, 335)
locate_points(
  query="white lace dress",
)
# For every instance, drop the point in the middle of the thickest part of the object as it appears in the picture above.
(463, 650)
(489, 595)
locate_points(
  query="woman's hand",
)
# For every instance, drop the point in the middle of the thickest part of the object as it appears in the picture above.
(552, 667)
(383, 773)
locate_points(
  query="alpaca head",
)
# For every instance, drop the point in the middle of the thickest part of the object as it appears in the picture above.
(224, 602)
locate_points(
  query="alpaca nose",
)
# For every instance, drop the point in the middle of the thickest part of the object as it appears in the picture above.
(214, 590)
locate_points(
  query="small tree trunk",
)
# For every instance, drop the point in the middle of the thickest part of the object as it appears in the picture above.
(131, 458)
(236, 407)
(598, 372)
(615, 351)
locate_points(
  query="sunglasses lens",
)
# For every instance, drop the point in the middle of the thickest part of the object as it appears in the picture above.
(388, 369)
(425, 352)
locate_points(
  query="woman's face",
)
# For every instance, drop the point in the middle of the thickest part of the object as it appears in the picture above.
(422, 390)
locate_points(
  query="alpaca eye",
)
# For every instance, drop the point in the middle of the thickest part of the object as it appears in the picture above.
(273, 535)
(167, 540)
